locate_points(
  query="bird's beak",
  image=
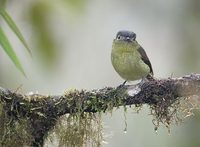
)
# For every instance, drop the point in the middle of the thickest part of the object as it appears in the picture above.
(128, 39)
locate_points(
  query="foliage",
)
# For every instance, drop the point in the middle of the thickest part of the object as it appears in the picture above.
(4, 42)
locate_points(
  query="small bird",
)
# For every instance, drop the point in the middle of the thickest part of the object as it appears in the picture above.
(129, 59)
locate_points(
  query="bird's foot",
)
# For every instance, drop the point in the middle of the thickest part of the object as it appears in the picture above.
(144, 80)
(121, 85)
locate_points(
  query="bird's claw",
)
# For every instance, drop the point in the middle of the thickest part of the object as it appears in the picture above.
(121, 85)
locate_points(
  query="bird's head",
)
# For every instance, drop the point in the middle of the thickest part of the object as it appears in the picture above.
(126, 36)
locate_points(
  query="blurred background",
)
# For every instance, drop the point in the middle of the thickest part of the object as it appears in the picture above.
(71, 44)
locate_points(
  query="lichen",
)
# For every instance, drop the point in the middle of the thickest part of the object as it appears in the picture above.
(189, 105)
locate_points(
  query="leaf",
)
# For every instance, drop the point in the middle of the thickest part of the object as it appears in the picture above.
(14, 27)
(9, 50)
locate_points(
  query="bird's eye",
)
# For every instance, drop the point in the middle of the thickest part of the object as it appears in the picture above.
(118, 37)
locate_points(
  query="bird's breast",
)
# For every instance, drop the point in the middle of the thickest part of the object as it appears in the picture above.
(128, 63)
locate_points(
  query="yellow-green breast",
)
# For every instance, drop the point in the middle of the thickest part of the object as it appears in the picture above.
(127, 61)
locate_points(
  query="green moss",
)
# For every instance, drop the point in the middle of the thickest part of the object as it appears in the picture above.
(165, 112)
(14, 132)
(79, 127)
(78, 130)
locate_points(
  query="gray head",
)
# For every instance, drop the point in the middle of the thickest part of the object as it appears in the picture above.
(126, 36)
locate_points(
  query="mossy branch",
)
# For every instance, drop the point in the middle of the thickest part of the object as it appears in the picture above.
(43, 110)
(99, 100)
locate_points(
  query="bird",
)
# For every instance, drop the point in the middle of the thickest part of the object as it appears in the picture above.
(129, 59)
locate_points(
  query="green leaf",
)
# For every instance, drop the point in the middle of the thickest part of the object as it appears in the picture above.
(9, 50)
(14, 27)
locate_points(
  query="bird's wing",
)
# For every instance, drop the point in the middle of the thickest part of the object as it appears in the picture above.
(145, 58)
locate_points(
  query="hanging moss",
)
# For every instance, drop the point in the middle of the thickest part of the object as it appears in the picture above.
(14, 132)
(78, 130)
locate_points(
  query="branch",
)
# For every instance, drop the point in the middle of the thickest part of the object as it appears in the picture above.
(45, 109)
(95, 100)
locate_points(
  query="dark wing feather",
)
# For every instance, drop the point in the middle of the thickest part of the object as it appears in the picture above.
(145, 58)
